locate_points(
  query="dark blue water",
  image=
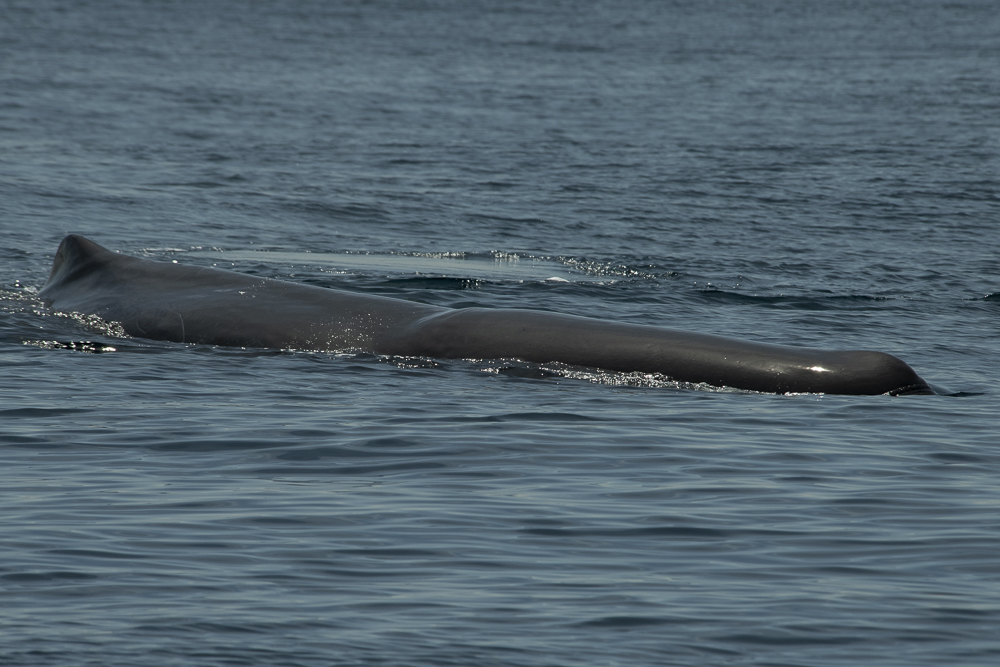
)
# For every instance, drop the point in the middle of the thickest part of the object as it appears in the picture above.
(812, 173)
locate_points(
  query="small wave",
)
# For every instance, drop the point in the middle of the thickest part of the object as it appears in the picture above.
(613, 270)
(18, 297)
(349, 470)
(93, 323)
(344, 211)
(215, 445)
(203, 185)
(78, 345)
(628, 622)
(434, 283)
(553, 371)
(47, 577)
(794, 302)
(35, 413)
(556, 417)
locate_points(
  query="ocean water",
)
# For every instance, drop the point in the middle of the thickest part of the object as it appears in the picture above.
(821, 174)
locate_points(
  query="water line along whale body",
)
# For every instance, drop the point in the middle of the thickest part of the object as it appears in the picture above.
(190, 304)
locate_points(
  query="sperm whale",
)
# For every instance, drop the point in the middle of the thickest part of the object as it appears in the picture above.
(192, 304)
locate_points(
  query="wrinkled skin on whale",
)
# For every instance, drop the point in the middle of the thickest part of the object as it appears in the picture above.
(189, 304)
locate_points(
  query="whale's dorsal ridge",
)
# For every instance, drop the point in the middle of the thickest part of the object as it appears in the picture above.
(74, 252)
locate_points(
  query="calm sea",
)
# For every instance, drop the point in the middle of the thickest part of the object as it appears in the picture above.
(811, 173)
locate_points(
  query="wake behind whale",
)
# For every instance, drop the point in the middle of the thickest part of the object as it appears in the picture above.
(189, 304)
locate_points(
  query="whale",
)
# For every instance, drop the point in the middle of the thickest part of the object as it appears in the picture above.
(171, 301)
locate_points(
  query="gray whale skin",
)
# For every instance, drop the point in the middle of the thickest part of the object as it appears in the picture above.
(189, 304)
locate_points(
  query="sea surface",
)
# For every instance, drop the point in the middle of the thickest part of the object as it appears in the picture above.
(810, 173)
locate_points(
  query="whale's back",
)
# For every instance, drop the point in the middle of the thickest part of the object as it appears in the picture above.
(203, 305)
